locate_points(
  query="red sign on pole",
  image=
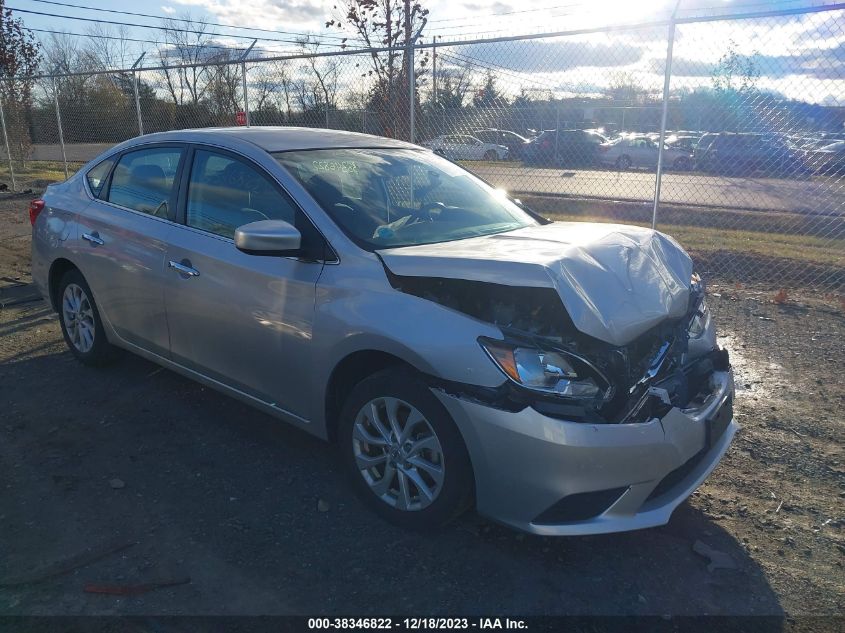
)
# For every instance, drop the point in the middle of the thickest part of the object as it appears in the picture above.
(240, 118)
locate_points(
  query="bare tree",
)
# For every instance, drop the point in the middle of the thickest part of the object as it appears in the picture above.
(273, 87)
(108, 47)
(223, 92)
(186, 41)
(455, 84)
(319, 89)
(387, 24)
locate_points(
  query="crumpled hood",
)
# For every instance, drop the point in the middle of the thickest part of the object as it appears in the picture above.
(616, 281)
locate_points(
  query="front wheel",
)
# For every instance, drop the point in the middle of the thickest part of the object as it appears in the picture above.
(623, 162)
(491, 154)
(404, 454)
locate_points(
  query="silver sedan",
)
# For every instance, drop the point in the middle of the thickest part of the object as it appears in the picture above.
(461, 350)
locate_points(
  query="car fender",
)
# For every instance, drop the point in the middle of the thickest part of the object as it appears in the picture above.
(355, 315)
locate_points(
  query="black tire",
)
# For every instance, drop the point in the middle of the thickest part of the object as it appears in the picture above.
(440, 152)
(491, 154)
(101, 351)
(682, 164)
(455, 492)
(623, 162)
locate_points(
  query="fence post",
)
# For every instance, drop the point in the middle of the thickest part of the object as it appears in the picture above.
(8, 147)
(243, 79)
(411, 94)
(59, 123)
(667, 77)
(137, 98)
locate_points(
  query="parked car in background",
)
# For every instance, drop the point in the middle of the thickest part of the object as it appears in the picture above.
(743, 154)
(562, 377)
(683, 142)
(466, 147)
(577, 148)
(630, 152)
(828, 159)
(513, 141)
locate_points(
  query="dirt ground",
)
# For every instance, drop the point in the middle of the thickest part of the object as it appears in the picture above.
(133, 474)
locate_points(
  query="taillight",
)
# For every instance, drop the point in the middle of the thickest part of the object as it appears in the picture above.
(35, 207)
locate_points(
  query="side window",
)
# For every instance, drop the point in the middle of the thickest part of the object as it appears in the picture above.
(225, 193)
(144, 180)
(97, 175)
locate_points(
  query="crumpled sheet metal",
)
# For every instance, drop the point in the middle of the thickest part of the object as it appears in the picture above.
(616, 281)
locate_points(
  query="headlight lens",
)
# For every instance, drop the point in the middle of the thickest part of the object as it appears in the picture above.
(698, 324)
(553, 372)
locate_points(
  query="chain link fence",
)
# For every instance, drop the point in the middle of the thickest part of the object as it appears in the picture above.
(685, 125)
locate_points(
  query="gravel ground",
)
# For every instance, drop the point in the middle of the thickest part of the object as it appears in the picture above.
(160, 479)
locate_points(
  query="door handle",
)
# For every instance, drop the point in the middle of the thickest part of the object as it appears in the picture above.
(184, 268)
(94, 238)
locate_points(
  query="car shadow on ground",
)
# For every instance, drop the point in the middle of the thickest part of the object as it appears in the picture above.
(260, 518)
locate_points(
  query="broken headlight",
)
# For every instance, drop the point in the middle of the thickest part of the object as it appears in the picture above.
(700, 321)
(555, 372)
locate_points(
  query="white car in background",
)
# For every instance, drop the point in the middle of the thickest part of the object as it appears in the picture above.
(466, 147)
(627, 152)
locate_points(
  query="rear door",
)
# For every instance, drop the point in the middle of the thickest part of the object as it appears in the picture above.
(122, 242)
(243, 320)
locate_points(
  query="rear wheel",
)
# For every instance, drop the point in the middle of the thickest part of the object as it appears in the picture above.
(80, 321)
(682, 163)
(623, 162)
(491, 154)
(404, 454)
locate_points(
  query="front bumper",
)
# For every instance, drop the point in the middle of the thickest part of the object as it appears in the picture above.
(526, 464)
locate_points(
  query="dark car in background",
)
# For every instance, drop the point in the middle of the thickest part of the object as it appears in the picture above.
(743, 154)
(565, 148)
(683, 141)
(513, 141)
(827, 159)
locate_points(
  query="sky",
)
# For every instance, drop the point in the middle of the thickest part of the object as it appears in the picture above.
(801, 57)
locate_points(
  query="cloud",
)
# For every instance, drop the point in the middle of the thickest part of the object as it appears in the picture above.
(488, 7)
(555, 56)
(280, 14)
(168, 10)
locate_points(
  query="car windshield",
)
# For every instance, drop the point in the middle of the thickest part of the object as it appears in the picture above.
(386, 198)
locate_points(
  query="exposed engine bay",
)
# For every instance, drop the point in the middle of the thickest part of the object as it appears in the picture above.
(637, 381)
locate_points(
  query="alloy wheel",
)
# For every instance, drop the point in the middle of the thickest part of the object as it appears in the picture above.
(78, 316)
(398, 454)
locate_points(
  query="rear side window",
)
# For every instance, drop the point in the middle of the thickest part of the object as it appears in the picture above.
(97, 175)
(144, 180)
(225, 193)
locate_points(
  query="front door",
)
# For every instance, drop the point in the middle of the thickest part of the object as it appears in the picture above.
(243, 320)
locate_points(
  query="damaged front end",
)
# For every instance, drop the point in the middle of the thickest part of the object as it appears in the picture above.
(561, 372)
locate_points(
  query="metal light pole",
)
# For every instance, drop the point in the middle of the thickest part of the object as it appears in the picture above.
(137, 98)
(243, 78)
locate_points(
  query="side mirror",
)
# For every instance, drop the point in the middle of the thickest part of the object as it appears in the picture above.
(268, 237)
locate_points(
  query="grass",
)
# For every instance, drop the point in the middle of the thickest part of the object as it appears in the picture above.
(36, 174)
(802, 248)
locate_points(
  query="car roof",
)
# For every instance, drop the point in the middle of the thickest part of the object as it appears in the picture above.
(274, 139)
